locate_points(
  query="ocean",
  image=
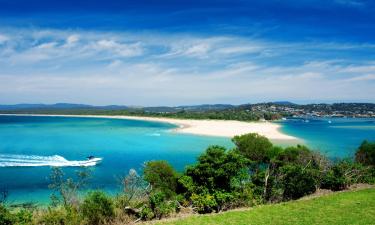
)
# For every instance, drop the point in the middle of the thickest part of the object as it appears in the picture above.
(30, 145)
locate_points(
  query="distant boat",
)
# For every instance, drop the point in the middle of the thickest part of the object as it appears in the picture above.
(329, 121)
(91, 161)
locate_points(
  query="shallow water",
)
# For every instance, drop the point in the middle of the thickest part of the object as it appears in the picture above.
(61, 141)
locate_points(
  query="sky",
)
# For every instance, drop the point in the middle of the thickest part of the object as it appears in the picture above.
(180, 52)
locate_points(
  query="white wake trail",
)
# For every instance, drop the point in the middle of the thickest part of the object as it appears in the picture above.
(11, 160)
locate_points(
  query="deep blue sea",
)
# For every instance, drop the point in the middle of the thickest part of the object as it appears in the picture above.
(126, 144)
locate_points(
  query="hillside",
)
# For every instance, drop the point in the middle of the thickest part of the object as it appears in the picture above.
(354, 207)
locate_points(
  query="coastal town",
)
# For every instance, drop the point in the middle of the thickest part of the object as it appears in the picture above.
(350, 110)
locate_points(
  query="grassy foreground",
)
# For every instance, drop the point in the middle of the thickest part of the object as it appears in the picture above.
(355, 207)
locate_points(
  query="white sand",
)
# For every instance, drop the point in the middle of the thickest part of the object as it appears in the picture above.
(221, 128)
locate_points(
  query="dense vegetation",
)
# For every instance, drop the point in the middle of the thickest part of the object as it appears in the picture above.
(354, 207)
(221, 114)
(255, 172)
(245, 112)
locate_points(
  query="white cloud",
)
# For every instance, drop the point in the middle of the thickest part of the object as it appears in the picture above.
(368, 77)
(144, 69)
(3, 39)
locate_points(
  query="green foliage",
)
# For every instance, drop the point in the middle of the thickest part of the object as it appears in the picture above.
(162, 177)
(6, 218)
(147, 213)
(334, 179)
(186, 185)
(67, 189)
(204, 203)
(21, 217)
(299, 154)
(366, 153)
(60, 216)
(345, 173)
(97, 208)
(160, 206)
(216, 169)
(254, 147)
(134, 189)
(298, 181)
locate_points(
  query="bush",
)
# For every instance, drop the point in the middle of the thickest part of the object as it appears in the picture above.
(162, 177)
(23, 217)
(345, 173)
(6, 217)
(204, 203)
(298, 181)
(97, 208)
(366, 154)
(224, 200)
(160, 206)
(147, 213)
(54, 216)
(334, 180)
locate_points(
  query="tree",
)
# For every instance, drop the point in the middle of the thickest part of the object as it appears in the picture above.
(253, 146)
(162, 177)
(67, 188)
(134, 187)
(97, 208)
(216, 169)
(366, 153)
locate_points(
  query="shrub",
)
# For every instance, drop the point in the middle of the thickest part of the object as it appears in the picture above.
(160, 206)
(366, 153)
(147, 213)
(297, 181)
(58, 216)
(162, 177)
(334, 180)
(345, 173)
(23, 217)
(6, 217)
(97, 208)
(224, 200)
(204, 203)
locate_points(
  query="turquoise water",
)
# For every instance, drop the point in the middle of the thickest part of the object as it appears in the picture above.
(126, 144)
(123, 144)
(335, 137)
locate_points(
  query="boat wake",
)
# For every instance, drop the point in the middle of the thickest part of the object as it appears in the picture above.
(10, 160)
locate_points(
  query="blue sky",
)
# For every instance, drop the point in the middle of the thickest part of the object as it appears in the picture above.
(186, 52)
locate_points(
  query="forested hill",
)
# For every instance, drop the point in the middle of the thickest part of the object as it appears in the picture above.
(245, 112)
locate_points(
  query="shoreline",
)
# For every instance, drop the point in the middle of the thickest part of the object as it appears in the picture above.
(218, 128)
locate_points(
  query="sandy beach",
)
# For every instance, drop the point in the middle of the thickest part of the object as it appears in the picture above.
(221, 128)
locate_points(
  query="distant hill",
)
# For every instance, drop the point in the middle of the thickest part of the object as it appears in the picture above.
(58, 106)
(156, 109)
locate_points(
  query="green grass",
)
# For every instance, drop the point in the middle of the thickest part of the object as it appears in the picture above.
(356, 207)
